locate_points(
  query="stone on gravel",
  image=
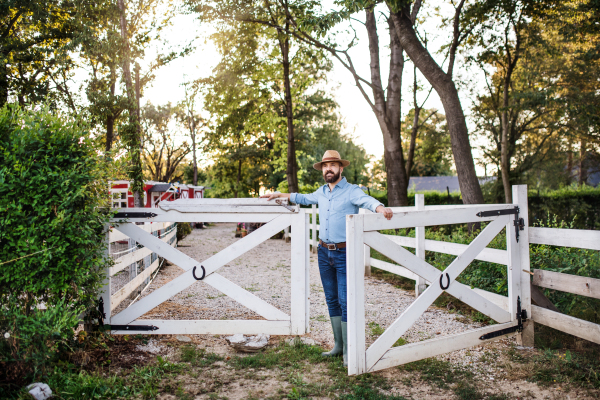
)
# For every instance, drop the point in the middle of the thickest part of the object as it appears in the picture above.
(182, 338)
(306, 340)
(250, 344)
(39, 391)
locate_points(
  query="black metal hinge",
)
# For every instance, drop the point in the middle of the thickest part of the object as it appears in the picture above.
(519, 223)
(521, 317)
(131, 327)
(135, 215)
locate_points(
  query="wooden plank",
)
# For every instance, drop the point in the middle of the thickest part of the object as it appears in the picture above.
(490, 255)
(228, 209)
(514, 268)
(393, 268)
(575, 284)
(565, 323)
(434, 347)
(306, 280)
(465, 294)
(355, 275)
(187, 263)
(126, 290)
(420, 244)
(459, 215)
(211, 327)
(519, 193)
(418, 307)
(497, 299)
(245, 298)
(176, 216)
(128, 259)
(367, 249)
(106, 281)
(539, 299)
(298, 274)
(240, 201)
(578, 238)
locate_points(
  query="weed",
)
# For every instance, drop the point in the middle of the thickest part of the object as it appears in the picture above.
(198, 357)
(376, 330)
(280, 357)
(438, 372)
(399, 342)
(215, 297)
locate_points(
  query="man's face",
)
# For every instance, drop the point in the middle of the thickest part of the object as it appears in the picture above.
(332, 171)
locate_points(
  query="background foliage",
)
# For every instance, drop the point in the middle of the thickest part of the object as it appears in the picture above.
(53, 210)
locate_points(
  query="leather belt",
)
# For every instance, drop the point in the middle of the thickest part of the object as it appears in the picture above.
(332, 246)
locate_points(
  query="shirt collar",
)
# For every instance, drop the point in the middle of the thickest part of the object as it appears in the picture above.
(341, 184)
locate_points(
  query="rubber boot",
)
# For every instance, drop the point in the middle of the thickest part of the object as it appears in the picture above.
(336, 324)
(345, 338)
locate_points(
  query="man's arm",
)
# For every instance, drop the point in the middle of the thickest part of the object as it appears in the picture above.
(304, 199)
(362, 200)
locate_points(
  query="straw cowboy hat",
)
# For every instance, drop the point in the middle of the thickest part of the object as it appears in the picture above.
(329, 156)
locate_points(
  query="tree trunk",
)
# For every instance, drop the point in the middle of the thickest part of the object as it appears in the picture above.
(504, 153)
(3, 83)
(110, 131)
(292, 166)
(582, 170)
(239, 178)
(134, 142)
(444, 86)
(388, 110)
(194, 156)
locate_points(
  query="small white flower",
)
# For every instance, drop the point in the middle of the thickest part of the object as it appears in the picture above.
(6, 335)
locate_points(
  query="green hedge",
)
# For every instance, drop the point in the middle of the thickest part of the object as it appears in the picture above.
(577, 205)
(54, 205)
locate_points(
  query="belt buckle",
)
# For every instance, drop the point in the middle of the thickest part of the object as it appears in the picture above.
(331, 246)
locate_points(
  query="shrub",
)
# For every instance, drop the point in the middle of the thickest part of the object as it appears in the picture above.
(53, 211)
(183, 229)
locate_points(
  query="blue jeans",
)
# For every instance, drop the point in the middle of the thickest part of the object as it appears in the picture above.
(332, 266)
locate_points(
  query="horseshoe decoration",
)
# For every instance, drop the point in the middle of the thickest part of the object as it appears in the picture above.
(203, 273)
(442, 280)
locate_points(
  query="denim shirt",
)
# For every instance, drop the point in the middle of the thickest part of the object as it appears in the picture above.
(334, 205)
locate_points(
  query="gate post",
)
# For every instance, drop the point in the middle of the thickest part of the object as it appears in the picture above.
(525, 338)
(420, 285)
(355, 275)
(367, 248)
(105, 291)
(300, 274)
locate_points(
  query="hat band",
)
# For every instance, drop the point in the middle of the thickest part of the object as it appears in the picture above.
(331, 159)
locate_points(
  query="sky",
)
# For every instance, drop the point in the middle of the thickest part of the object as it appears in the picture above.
(359, 120)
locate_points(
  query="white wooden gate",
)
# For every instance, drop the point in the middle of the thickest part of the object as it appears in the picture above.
(362, 229)
(277, 217)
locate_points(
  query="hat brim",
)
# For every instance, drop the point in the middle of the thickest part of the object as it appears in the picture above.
(318, 166)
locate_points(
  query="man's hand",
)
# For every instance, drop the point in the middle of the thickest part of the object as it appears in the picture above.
(387, 212)
(272, 196)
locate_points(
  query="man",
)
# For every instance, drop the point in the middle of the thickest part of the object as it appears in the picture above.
(336, 199)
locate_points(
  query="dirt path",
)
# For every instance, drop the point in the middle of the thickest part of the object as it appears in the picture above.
(265, 271)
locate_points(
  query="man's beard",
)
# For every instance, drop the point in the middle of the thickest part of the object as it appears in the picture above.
(330, 178)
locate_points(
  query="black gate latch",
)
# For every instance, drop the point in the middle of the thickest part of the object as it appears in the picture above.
(521, 317)
(102, 315)
(135, 215)
(519, 223)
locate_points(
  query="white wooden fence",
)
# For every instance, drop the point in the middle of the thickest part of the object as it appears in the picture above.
(516, 258)
(277, 217)
(134, 264)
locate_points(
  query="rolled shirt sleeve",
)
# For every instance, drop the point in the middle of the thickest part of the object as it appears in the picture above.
(363, 200)
(304, 199)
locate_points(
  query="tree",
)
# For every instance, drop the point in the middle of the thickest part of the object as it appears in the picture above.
(445, 87)
(36, 41)
(274, 16)
(187, 116)
(162, 154)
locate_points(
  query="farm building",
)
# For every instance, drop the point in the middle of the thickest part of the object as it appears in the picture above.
(154, 193)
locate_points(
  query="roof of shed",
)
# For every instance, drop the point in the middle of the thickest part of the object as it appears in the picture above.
(161, 187)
